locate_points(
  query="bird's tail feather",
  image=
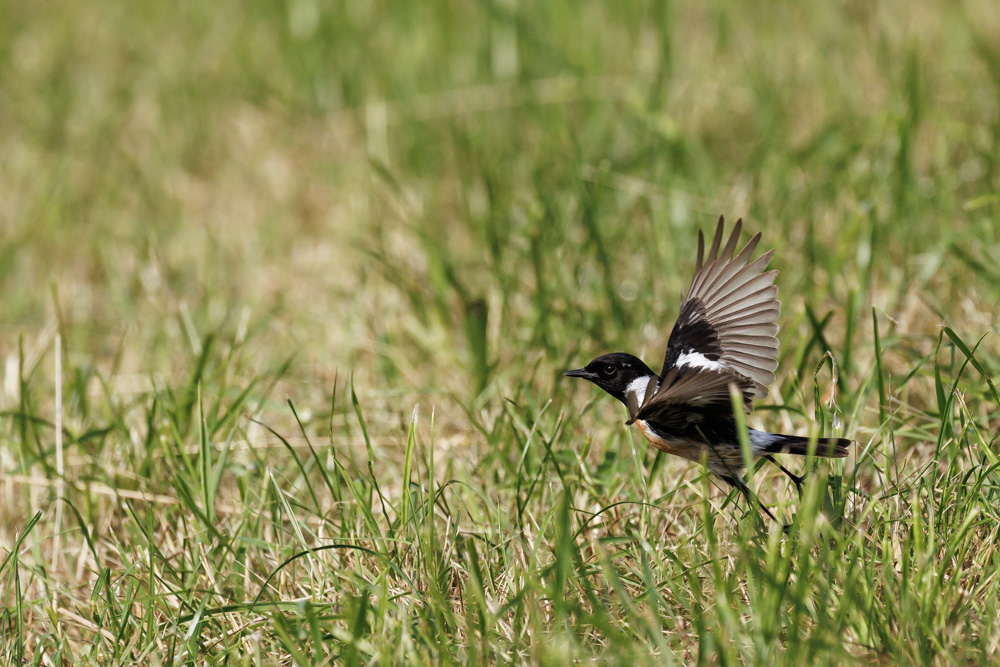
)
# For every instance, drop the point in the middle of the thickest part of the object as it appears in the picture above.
(776, 443)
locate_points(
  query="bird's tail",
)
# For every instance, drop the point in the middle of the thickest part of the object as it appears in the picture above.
(776, 443)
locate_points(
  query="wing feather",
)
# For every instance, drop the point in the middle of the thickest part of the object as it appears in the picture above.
(728, 315)
(684, 390)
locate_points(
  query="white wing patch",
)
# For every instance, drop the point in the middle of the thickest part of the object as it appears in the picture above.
(699, 360)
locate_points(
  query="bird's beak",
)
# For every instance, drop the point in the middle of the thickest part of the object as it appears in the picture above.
(581, 373)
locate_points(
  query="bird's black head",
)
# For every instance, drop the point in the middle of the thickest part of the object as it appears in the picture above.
(614, 373)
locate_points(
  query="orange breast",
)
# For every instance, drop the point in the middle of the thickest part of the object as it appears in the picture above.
(685, 448)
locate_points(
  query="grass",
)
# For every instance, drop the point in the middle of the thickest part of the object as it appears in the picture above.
(313, 271)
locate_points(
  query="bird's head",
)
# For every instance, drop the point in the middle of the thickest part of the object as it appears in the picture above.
(616, 373)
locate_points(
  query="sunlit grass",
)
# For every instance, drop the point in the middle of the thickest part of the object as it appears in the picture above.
(316, 270)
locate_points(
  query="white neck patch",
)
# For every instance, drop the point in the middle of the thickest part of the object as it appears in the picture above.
(638, 387)
(698, 360)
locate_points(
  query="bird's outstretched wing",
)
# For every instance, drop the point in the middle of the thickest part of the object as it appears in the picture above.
(727, 319)
(686, 391)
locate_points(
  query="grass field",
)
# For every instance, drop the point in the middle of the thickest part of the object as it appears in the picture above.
(287, 290)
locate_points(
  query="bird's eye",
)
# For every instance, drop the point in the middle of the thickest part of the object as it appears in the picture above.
(608, 369)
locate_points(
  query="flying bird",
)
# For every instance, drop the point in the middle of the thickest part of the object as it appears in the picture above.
(724, 337)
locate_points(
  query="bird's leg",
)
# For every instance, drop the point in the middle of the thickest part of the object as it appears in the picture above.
(796, 479)
(737, 482)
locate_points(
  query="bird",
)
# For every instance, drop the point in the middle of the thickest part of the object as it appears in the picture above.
(724, 340)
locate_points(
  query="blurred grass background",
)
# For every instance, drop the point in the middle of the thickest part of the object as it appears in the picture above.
(225, 208)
